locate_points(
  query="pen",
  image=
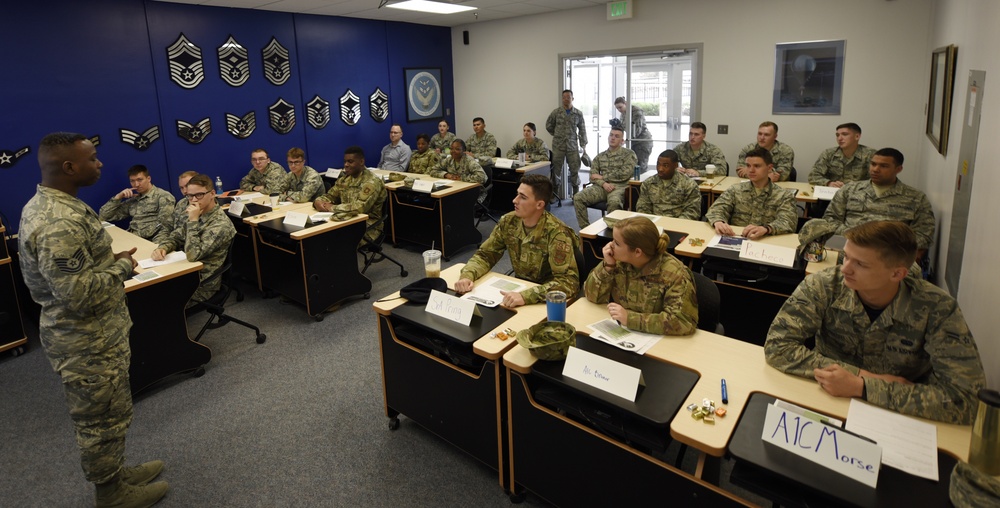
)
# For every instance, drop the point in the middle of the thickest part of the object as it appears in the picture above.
(725, 393)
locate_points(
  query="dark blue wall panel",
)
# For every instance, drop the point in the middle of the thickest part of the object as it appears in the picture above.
(97, 66)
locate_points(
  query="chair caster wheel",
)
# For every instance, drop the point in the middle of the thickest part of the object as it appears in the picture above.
(403, 273)
(393, 423)
(367, 295)
(517, 498)
(319, 317)
(261, 337)
(200, 371)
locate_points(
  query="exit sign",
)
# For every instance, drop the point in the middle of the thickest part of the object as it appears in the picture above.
(622, 9)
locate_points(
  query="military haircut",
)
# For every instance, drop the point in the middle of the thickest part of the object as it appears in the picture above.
(424, 137)
(699, 125)
(479, 119)
(461, 143)
(255, 150)
(570, 92)
(894, 241)
(531, 125)
(769, 124)
(850, 125)
(763, 153)
(620, 129)
(187, 174)
(355, 150)
(201, 180)
(669, 154)
(540, 185)
(138, 169)
(296, 153)
(640, 233)
(51, 147)
(891, 152)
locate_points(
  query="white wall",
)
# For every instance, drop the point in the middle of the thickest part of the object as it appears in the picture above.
(509, 75)
(971, 25)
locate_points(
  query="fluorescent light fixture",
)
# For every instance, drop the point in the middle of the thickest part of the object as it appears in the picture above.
(430, 7)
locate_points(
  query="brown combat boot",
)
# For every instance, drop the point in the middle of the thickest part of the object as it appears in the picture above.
(120, 494)
(143, 473)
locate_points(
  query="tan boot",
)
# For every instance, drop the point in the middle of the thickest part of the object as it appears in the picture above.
(120, 494)
(143, 473)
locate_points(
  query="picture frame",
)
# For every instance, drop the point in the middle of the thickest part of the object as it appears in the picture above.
(939, 96)
(423, 94)
(808, 78)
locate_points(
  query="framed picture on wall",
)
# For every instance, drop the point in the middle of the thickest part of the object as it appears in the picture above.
(423, 94)
(808, 78)
(939, 97)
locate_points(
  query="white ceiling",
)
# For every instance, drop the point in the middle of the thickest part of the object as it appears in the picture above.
(488, 10)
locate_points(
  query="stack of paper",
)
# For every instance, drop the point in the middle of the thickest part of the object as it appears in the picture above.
(617, 335)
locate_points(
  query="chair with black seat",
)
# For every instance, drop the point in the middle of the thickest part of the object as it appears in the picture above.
(498, 153)
(216, 304)
(709, 304)
(372, 250)
(792, 175)
(482, 208)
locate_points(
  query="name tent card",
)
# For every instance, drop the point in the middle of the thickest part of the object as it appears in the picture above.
(601, 373)
(236, 208)
(296, 219)
(423, 185)
(768, 254)
(825, 193)
(826, 445)
(451, 307)
(333, 173)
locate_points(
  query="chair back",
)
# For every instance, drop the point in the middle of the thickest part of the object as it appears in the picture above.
(709, 303)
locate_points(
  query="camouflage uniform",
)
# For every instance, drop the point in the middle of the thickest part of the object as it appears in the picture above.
(642, 139)
(423, 162)
(783, 155)
(395, 158)
(660, 298)
(468, 170)
(921, 336)
(831, 166)
(484, 148)
(151, 212)
(364, 193)
(273, 179)
(857, 202)
(177, 220)
(617, 167)
(442, 143)
(305, 189)
(564, 126)
(741, 205)
(70, 270)
(207, 240)
(544, 255)
(709, 154)
(534, 152)
(677, 197)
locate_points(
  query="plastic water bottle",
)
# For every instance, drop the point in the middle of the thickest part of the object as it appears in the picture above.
(636, 171)
(218, 185)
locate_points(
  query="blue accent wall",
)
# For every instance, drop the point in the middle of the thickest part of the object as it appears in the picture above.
(97, 66)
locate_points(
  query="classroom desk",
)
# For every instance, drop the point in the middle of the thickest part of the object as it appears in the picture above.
(442, 218)
(244, 256)
(159, 338)
(506, 181)
(316, 266)
(713, 357)
(461, 405)
(805, 196)
(12, 335)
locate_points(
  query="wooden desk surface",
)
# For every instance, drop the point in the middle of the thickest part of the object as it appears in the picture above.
(700, 230)
(806, 192)
(743, 367)
(487, 346)
(123, 240)
(532, 167)
(327, 226)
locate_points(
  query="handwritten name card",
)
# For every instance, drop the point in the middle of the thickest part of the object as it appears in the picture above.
(601, 373)
(451, 307)
(768, 254)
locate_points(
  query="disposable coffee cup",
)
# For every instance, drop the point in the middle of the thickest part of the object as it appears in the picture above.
(274, 199)
(520, 157)
(432, 263)
(555, 305)
(710, 170)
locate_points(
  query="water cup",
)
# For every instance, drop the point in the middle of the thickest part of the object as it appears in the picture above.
(710, 170)
(432, 263)
(520, 157)
(274, 199)
(555, 305)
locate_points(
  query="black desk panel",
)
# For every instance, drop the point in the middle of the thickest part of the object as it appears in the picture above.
(447, 222)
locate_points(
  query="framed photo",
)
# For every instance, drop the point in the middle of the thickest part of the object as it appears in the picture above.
(939, 97)
(808, 78)
(423, 94)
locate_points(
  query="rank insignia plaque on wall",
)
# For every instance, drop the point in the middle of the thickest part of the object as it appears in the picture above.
(140, 141)
(10, 157)
(194, 133)
(277, 67)
(234, 62)
(318, 112)
(378, 105)
(350, 108)
(241, 127)
(282, 116)
(186, 67)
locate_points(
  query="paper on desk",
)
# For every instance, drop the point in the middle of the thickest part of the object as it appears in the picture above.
(489, 294)
(617, 335)
(247, 196)
(733, 243)
(146, 276)
(907, 444)
(321, 216)
(824, 192)
(174, 257)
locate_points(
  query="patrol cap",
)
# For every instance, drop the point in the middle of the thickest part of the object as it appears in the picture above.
(420, 291)
(548, 340)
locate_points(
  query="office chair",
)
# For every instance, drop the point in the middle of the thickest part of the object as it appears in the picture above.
(709, 304)
(792, 175)
(215, 305)
(482, 207)
(602, 206)
(498, 153)
(373, 251)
